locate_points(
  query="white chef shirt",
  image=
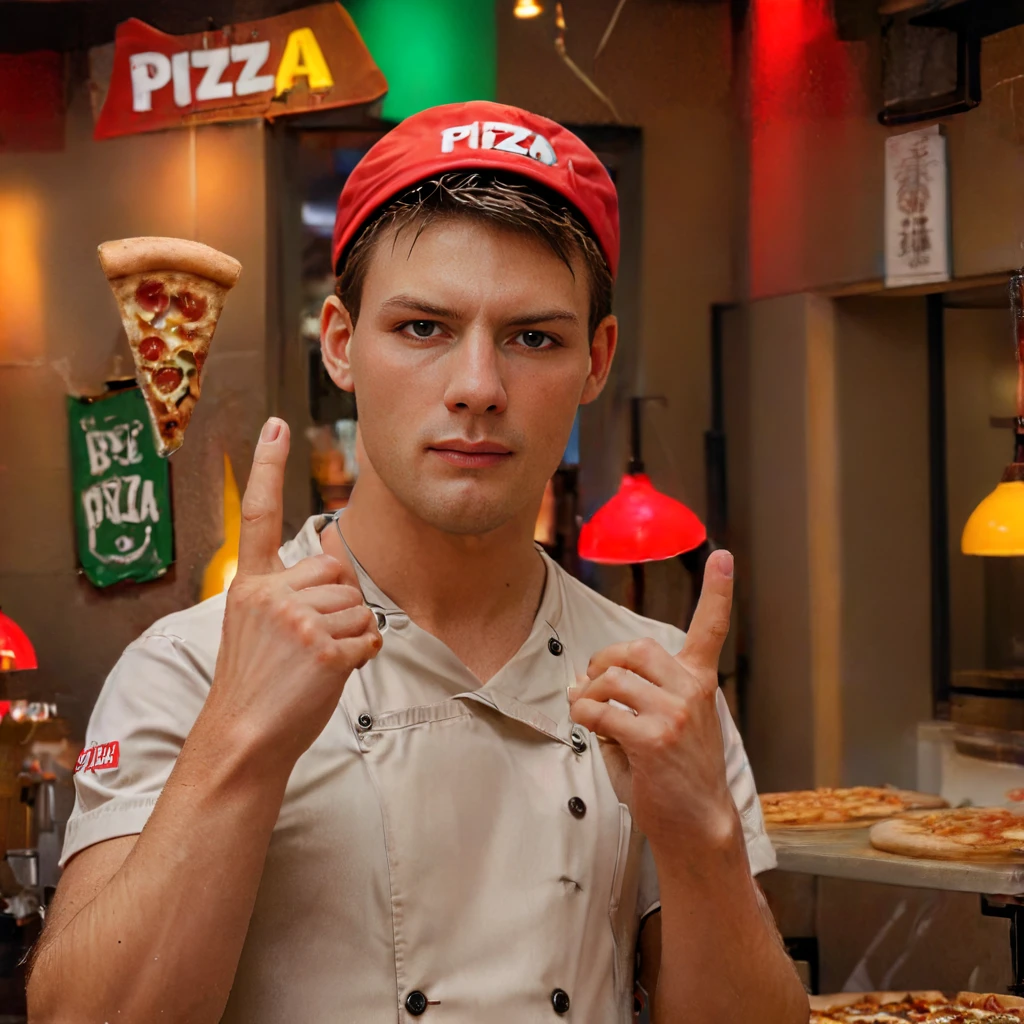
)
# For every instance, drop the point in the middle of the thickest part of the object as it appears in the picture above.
(425, 845)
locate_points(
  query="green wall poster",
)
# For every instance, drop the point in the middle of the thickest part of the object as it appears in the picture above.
(121, 490)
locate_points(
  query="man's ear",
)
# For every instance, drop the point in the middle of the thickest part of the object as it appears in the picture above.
(336, 329)
(602, 351)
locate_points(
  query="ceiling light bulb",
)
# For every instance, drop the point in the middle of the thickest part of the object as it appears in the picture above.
(527, 9)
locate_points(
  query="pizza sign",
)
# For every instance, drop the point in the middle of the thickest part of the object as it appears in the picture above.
(121, 490)
(153, 71)
(310, 59)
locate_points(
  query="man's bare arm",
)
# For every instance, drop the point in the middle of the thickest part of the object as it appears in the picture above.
(159, 935)
(651, 960)
(159, 922)
(721, 953)
(721, 959)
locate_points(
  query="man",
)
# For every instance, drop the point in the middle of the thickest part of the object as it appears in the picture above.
(408, 765)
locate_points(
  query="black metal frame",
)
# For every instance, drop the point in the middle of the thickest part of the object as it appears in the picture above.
(971, 20)
(976, 17)
(1012, 909)
(714, 437)
(966, 95)
(806, 949)
(938, 492)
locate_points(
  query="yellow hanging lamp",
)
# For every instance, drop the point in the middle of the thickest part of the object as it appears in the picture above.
(221, 569)
(996, 526)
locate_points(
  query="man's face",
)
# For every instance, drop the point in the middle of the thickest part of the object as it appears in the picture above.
(469, 360)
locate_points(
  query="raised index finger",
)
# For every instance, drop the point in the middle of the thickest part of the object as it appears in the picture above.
(710, 625)
(261, 505)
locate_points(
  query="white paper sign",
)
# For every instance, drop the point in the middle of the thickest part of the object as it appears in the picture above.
(917, 249)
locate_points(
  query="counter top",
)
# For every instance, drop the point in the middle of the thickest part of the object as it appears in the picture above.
(846, 853)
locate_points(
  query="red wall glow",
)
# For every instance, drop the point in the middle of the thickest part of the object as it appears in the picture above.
(800, 77)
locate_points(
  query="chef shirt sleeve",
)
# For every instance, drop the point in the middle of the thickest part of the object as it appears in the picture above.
(147, 707)
(760, 852)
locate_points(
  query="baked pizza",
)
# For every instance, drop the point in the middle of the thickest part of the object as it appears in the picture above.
(876, 1007)
(831, 808)
(170, 293)
(961, 833)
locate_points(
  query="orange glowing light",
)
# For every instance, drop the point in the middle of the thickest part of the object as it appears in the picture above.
(21, 278)
(527, 9)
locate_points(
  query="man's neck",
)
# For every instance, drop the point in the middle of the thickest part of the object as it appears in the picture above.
(477, 594)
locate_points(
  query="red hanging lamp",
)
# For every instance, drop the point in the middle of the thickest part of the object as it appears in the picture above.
(639, 524)
(16, 650)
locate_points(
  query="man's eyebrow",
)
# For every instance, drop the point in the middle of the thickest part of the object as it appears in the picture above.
(410, 302)
(544, 316)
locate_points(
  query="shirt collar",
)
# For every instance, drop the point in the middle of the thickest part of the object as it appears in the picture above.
(307, 542)
(530, 686)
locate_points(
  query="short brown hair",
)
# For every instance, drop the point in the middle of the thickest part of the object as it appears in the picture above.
(506, 200)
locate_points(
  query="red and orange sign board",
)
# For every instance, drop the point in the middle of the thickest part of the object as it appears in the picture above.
(305, 60)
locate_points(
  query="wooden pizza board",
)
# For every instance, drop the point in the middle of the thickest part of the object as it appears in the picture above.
(848, 854)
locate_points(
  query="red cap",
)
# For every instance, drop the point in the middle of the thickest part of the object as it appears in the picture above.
(480, 135)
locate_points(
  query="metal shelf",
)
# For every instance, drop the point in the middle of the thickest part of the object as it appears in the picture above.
(846, 853)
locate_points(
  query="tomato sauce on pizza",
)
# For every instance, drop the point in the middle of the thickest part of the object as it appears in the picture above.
(829, 807)
(961, 833)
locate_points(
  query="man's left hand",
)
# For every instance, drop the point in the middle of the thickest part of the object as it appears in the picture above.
(673, 741)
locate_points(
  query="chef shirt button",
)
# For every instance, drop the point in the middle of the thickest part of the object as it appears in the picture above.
(577, 807)
(416, 1003)
(364, 721)
(560, 1000)
(382, 621)
(555, 646)
(579, 740)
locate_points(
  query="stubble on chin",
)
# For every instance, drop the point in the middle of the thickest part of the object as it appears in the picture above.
(461, 507)
(462, 514)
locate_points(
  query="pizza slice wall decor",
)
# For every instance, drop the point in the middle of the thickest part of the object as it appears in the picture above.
(170, 293)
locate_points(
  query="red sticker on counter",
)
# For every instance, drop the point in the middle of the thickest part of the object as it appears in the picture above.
(100, 757)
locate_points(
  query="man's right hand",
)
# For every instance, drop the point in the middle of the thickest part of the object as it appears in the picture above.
(291, 637)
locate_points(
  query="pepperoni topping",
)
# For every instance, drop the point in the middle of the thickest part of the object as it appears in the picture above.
(152, 348)
(192, 306)
(150, 295)
(167, 379)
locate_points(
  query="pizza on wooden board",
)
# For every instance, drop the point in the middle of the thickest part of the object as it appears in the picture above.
(961, 833)
(170, 292)
(853, 806)
(877, 1007)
